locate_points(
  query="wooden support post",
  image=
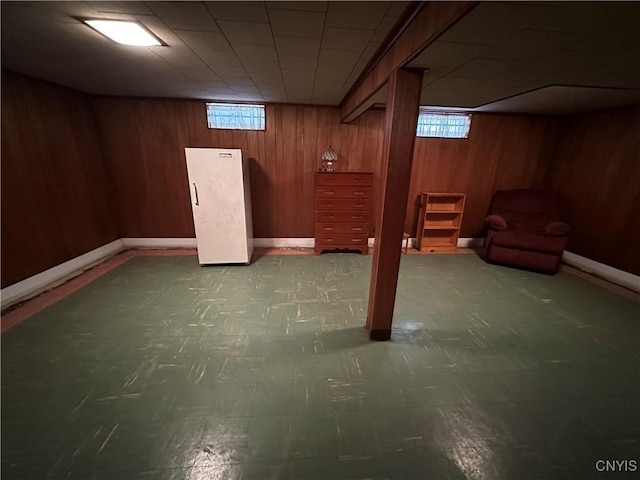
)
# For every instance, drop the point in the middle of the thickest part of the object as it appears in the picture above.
(401, 119)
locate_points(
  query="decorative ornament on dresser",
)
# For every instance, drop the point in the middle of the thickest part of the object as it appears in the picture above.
(329, 157)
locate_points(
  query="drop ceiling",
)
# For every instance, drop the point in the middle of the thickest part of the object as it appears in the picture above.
(533, 57)
(297, 52)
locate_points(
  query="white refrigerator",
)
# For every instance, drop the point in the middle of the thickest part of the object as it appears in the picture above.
(221, 204)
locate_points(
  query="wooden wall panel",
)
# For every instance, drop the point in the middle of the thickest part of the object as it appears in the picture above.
(144, 140)
(596, 172)
(502, 152)
(55, 202)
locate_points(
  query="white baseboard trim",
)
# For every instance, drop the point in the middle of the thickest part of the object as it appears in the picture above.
(61, 273)
(462, 242)
(471, 242)
(283, 242)
(614, 275)
(54, 276)
(159, 242)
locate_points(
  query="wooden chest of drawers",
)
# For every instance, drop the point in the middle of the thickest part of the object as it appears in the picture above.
(343, 210)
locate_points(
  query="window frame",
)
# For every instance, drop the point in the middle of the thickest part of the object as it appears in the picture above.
(441, 127)
(237, 126)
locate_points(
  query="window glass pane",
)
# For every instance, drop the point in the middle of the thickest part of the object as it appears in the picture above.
(443, 125)
(236, 116)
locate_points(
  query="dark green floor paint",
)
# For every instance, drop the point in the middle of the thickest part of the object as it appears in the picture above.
(162, 369)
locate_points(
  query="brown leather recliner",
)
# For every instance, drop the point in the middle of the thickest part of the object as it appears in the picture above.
(524, 230)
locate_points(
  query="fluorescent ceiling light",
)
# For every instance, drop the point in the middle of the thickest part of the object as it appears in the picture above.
(125, 33)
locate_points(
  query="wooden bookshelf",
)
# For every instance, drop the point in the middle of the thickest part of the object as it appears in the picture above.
(439, 221)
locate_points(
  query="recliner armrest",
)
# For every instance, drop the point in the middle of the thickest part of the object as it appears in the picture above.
(496, 222)
(557, 229)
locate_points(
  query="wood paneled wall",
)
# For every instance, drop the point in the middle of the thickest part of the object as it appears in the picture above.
(502, 151)
(58, 202)
(143, 143)
(596, 171)
(54, 196)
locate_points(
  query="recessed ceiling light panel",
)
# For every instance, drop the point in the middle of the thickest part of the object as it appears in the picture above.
(124, 33)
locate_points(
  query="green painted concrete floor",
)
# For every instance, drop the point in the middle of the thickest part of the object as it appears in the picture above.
(162, 369)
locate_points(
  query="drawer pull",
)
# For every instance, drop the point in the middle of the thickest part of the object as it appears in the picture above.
(329, 192)
(355, 240)
(327, 229)
(358, 193)
(358, 205)
(357, 216)
(356, 229)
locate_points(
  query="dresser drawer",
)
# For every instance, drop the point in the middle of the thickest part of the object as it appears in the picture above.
(344, 204)
(361, 179)
(341, 239)
(360, 228)
(343, 192)
(329, 217)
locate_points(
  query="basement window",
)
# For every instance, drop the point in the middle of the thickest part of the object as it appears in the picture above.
(443, 125)
(235, 116)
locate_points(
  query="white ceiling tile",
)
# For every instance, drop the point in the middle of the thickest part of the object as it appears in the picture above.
(132, 8)
(338, 57)
(386, 25)
(304, 6)
(204, 40)
(247, 33)
(491, 23)
(622, 61)
(562, 60)
(181, 58)
(576, 76)
(270, 86)
(238, 82)
(293, 23)
(447, 54)
(230, 71)
(529, 45)
(621, 80)
(238, 11)
(611, 40)
(201, 75)
(366, 15)
(268, 77)
(297, 62)
(341, 71)
(328, 84)
(242, 89)
(219, 59)
(275, 98)
(265, 72)
(298, 76)
(201, 63)
(345, 38)
(322, 98)
(434, 73)
(308, 47)
(589, 17)
(454, 83)
(184, 15)
(257, 53)
(369, 51)
(486, 68)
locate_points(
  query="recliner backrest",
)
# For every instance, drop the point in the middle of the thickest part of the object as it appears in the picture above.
(525, 209)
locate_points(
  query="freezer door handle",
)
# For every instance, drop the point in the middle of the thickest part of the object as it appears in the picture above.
(195, 188)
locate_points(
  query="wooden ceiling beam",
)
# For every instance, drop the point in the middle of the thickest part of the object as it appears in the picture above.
(422, 24)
